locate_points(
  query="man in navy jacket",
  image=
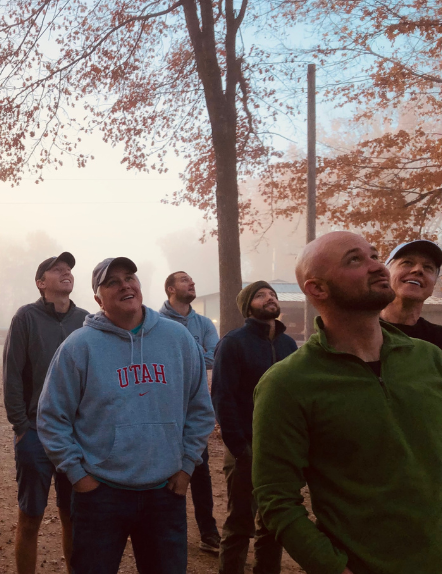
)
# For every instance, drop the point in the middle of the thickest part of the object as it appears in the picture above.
(241, 358)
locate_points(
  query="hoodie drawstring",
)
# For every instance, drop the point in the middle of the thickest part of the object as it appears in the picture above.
(142, 337)
(131, 348)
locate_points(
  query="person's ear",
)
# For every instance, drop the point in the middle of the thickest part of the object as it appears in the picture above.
(99, 301)
(316, 289)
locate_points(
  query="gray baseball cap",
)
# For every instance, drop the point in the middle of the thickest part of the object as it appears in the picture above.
(423, 245)
(101, 270)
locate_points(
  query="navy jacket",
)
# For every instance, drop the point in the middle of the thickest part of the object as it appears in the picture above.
(241, 358)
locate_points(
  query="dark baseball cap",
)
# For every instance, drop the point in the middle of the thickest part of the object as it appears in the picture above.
(422, 245)
(51, 261)
(101, 270)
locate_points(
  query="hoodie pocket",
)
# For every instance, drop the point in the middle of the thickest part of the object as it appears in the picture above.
(143, 454)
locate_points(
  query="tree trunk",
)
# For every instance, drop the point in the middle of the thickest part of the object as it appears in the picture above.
(228, 233)
(222, 113)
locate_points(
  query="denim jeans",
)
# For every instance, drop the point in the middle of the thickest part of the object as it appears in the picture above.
(34, 475)
(104, 518)
(244, 522)
(201, 489)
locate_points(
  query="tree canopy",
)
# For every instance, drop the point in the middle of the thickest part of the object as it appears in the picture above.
(191, 77)
(156, 76)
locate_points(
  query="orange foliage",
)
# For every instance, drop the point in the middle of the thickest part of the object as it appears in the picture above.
(381, 59)
(179, 77)
(155, 76)
(134, 66)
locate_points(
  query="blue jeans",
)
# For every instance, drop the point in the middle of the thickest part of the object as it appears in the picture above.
(201, 489)
(103, 519)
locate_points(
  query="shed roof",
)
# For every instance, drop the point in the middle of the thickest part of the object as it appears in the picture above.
(280, 286)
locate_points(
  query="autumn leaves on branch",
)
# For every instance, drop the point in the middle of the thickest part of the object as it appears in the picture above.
(214, 82)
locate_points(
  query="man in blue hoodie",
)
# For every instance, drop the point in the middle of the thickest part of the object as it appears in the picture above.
(180, 291)
(125, 412)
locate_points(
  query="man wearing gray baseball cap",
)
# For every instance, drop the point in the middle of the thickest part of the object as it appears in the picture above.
(35, 333)
(414, 269)
(125, 413)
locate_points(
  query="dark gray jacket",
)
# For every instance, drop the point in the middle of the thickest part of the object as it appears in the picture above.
(35, 334)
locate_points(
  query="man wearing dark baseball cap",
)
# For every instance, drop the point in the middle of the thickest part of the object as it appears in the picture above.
(35, 333)
(414, 269)
(125, 413)
(102, 270)
(48, 263)
(241, 358)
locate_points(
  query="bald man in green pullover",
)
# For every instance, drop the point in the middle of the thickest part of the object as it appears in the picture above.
(355, 413)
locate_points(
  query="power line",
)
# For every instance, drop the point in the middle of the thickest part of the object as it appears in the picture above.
(102, 179)
(79, 202)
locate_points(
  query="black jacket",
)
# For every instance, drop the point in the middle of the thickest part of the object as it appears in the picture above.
(35, 334)
(241, 358)
(424, 330)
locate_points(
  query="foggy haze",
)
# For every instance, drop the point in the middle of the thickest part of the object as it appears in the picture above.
(104, 211)
(273, 258)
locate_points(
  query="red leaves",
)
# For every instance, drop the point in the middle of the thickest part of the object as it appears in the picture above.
(133, 68)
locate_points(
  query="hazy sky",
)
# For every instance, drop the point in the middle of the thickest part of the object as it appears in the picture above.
(97, 212)
(102, 211)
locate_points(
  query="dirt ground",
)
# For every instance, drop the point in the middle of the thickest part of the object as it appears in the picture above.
(51, 561)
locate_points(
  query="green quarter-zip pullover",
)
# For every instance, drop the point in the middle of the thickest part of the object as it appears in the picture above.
(369, 448)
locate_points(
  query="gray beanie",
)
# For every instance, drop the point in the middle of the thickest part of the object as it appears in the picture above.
(245, 296)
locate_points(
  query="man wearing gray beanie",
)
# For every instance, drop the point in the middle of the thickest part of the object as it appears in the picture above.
(241, 358)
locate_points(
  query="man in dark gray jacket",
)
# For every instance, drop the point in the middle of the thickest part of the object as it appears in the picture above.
(36, 331)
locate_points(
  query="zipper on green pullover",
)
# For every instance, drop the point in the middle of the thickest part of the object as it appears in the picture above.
(383, 386)
(380, 379)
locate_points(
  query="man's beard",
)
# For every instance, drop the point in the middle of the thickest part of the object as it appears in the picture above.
(186, 298)
(265, 314)
(370, 301)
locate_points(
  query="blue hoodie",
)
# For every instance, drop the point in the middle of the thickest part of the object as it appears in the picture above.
(202, 329)
(128, 409)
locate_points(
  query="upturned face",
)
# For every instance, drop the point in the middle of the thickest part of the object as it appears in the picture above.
(264, 305)
(120, 295)
(57, 280)
(355, 276)
(413, 276)
(183, 288)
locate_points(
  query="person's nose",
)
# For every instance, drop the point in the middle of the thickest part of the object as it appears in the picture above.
(378, 267)
(417, 269)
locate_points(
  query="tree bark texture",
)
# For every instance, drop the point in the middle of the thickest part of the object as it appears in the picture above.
(221, 106)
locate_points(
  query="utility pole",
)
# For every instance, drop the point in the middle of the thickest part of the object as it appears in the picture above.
(311, 182)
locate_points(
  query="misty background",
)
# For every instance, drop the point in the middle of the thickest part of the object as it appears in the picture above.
(104, 210)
